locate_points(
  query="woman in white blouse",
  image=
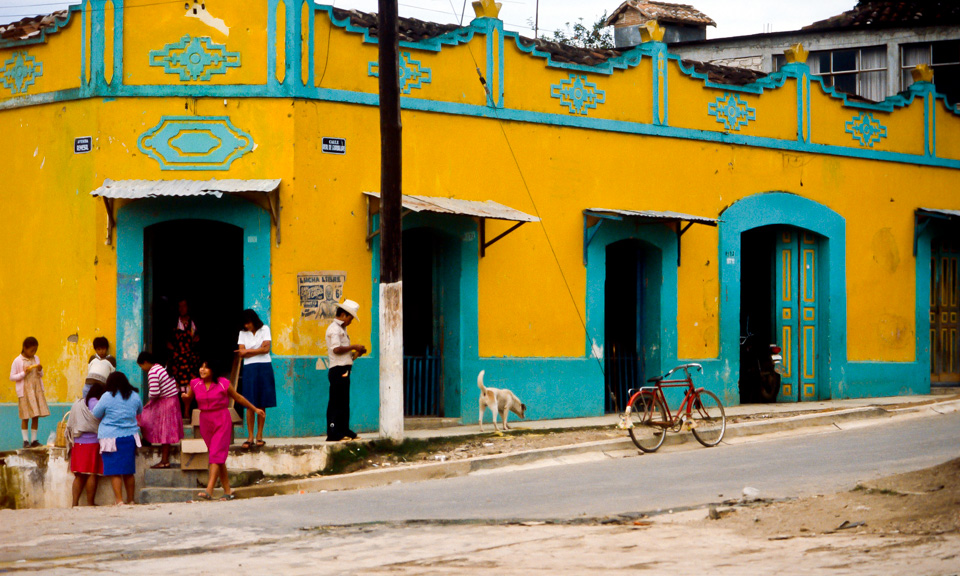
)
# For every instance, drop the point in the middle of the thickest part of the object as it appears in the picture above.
(258, 383)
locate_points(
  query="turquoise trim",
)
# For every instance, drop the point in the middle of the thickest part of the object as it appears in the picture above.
(866, 130)
(660, 76)
(454, 38)
(731, 111)
(194, 58)
(659, 334)
(84, 43)
(412, 75)
(311, 56)
(577, 94)
(118, 9)
(803, 103)
(494, 46)
(134, 218)
(20, 72)
(195, 143)
(778, 208)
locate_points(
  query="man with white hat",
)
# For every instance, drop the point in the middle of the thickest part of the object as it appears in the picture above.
(341, 355)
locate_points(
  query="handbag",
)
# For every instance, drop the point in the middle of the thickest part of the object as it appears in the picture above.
(60, 440)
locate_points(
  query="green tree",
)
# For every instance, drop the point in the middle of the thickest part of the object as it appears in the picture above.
(585, 35)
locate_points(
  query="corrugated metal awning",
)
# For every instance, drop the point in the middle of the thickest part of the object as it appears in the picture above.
(138, 189)
(481, 211)
(141, 189)
(923, 216)
(594, 217)
(488, 209)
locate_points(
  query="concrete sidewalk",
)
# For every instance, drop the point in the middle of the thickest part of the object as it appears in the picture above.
(742, 421)
(743, 411)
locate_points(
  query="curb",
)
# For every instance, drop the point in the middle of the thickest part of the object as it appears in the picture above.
(440, 470)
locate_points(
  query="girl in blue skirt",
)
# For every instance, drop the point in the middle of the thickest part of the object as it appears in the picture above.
(258, 384)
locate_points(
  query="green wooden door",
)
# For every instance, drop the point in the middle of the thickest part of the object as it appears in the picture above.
(797, 313)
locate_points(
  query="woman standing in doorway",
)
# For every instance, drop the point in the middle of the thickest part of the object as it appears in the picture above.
(258, 382)
(185, 361)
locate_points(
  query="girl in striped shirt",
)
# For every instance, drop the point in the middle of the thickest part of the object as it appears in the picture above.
(160, 421)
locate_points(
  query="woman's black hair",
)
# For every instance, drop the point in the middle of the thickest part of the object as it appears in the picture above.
(117, 382)
(29, 342)
(214, 367)
(96, 391)
(249, 316)
(146, 357)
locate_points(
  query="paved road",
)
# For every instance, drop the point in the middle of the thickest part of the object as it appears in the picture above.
(275, 534)
(816, 463)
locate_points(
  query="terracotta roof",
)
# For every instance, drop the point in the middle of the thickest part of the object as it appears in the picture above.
(411, 29)
(725, 74)
(868, 14)
(33, 26)
(662, 12)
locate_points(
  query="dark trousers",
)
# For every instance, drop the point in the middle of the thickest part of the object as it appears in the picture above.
(338, 408)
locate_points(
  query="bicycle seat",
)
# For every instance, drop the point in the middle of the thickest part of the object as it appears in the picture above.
(655, 379)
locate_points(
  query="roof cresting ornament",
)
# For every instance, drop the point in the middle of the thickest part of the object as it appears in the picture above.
(487, 8)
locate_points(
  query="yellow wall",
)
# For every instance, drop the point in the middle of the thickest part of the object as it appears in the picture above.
(58, 278)
(245, 33)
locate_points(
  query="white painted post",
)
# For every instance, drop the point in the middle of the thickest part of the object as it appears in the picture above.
(391, 361)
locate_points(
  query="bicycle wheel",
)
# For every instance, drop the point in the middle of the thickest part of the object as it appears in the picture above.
(709, 421)
(648, 420)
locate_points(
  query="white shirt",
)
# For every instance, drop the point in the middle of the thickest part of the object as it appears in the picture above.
(252, 341)
(336, 337)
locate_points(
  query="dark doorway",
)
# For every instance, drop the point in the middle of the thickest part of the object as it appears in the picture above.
(200, 261)
(431, 328)
(757, 287)
(623, 322)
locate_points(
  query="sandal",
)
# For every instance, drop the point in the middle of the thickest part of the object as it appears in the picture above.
(246, 445)
(160, 466)
(226, 497)
(204, 496)
(261, 443)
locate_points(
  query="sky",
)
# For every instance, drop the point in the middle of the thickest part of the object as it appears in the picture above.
(733, 17)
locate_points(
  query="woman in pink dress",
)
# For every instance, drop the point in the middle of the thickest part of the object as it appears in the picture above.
(213, 396)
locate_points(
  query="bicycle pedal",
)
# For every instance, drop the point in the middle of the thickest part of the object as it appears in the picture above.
(624, 424)
(690, 425)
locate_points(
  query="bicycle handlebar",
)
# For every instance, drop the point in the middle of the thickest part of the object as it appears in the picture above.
(683, 367)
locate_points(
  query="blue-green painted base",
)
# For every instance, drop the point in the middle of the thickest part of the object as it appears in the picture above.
(10, 438)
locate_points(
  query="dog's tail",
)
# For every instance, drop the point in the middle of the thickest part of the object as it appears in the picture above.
(483, 389)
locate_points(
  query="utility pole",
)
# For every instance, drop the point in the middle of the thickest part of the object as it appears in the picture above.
(391, 266)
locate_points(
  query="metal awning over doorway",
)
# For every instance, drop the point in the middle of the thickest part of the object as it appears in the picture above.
(113, 190)
(923, 216)
(481, 211)
(594, 217)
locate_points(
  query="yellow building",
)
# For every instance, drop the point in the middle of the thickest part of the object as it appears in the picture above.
(657, 210)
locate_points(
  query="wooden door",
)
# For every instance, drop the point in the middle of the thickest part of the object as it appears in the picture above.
(944, 311)
(797, 312)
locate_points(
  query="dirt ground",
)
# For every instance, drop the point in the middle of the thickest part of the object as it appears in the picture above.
(924, 505)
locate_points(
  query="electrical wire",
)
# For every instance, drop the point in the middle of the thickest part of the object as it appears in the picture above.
(556, 258)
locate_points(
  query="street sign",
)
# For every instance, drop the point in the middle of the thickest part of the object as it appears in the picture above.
(82, 145)
(333, 145)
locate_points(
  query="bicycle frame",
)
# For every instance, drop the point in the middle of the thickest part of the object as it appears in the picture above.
(686, 405)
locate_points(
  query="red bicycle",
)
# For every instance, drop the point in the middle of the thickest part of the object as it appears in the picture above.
(648, 416)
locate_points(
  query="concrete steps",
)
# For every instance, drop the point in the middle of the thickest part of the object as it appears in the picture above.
(176, 485)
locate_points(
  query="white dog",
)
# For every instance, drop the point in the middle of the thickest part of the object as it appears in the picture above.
(499, 401)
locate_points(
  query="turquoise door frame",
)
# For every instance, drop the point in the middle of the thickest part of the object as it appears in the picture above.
(659, 314)
(134, 218)
(778, 208)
